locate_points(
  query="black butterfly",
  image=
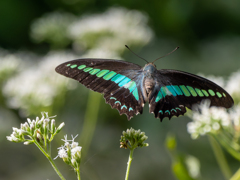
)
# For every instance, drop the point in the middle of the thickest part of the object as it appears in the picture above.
(127, 86)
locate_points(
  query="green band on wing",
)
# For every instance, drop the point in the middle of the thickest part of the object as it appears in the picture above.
(87, 69)
(205, 92)
(199, 92)
(81, 67)
(68, 64)
(211, 92)
(130, 85)
(94, 71)
(135, 94)
(177, 90)
(124, 81)
(109, 75)
(219, 94)
(184, 90)
(159, 96)
(102, 73)
(192, 91)
(165, 91)
(73, 66)
(224, 94)
(173, 110)
(118, 78)
(171, 90)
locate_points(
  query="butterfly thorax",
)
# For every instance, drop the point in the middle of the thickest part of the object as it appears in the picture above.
(149, 82)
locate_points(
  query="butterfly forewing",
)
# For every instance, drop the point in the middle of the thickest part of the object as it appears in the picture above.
(119, 81)
(176, 90)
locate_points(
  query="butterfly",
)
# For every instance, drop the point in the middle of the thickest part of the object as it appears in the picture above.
(127, 86)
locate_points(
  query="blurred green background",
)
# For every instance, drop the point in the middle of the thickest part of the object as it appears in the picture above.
(36, 36)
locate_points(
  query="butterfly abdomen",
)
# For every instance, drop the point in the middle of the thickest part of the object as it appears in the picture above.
(148, 81)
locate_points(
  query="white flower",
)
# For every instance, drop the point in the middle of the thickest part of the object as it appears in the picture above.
(111, 30)
(235, 116)
(62, 153)
(37, 86)
(74, 156)
(76, 150)
(210, 119)
(233, 85)
(52, 28)
(193, 166)
(9, 65)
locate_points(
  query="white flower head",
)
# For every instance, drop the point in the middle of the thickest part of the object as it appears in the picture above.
(111, 30)
(193, 166)
(39, 82)
(233, 85)
(62, 153)
(52, 28)
(70, 150)
(208, 119)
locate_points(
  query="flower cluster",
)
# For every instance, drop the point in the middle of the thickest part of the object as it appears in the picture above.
(37, 131)
(233, 86)
(53, 29)
(70, 152)
(107, 32)
(111, 30)
(9, 65)
(36, 87)
(132, 139)
(214, 119)
(208, 120)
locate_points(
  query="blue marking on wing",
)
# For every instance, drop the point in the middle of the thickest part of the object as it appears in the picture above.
(159, 96)
(117, 102)
(171, 90)
(118, 78)
(124, 81)
(124, 106)
(167, 111)
(178, 108)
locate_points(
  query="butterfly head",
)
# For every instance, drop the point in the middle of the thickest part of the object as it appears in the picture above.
(149, 69)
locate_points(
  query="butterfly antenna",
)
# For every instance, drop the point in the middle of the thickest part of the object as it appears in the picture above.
(136, 54)
(166, 54)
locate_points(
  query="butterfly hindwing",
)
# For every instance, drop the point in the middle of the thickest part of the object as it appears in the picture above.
(176, 90)
(118, 80)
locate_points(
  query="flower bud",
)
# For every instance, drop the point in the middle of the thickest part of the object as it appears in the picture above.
(60, 127)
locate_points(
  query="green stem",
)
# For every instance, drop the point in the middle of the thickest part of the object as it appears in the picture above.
(219, 155)
(129, 163)
(49, 148)
(236, 176)
(78, 174)
(90, 120)
(229, 145)
(49, 158)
